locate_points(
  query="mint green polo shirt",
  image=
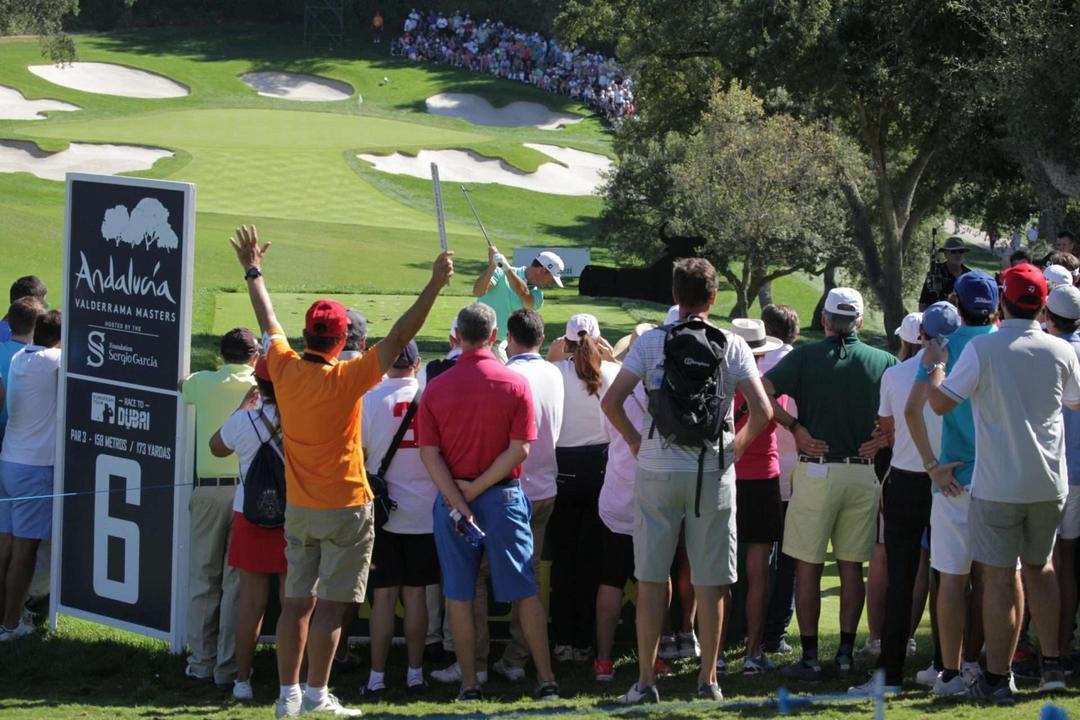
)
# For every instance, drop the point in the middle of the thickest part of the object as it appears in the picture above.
(215, 394)
(504, 301)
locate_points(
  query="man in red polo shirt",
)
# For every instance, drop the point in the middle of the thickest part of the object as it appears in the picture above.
(475, 424)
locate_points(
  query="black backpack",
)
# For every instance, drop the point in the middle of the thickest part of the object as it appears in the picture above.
(264, 483)
(689, 407)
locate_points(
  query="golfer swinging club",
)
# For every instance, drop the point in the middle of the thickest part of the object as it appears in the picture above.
(507, 289)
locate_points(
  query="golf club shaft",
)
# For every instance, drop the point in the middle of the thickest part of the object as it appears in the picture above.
(475, 214)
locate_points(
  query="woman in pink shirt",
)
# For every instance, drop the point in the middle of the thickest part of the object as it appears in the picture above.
(759, 514)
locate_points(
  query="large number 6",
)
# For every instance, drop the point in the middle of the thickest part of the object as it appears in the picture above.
(106, 526)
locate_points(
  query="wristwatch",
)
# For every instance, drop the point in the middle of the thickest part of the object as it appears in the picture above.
(252, 273)
(936, 366)
(930, 465)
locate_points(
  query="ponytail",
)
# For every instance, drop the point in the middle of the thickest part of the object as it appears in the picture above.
(587, 362)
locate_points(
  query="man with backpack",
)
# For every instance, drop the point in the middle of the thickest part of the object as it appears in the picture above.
(329, 523)
(834, 491)
(686, 468)
(213, 584)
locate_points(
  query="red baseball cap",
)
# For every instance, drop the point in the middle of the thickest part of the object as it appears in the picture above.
(1024, 286)
(329, 319)
(262, 368)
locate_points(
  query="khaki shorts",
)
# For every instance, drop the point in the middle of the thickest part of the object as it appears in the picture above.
(1001, 532)
(662, 501)
(328, 551)
(832, 501)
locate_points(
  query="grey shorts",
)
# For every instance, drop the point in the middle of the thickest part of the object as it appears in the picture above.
(1002, 532)
(662, 501)
(328, 552)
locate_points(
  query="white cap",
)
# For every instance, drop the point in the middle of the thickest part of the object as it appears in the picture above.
(553, 264)
(753, 332)
(582, 323)
(844, 301)
(672, 316)
(1057, 275)
(910, 328)
(1064, 301)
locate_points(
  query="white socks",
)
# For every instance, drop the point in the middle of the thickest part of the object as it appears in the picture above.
(316, 695)
(376, 681)
(415, 676)
(289, 692)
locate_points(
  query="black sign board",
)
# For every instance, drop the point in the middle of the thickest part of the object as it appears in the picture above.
(120, 527)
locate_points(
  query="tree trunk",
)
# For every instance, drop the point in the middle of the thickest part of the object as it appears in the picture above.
(829, 278)
(764, 295)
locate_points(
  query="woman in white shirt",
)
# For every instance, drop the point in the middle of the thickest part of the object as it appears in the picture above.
(256, 552)
(581, 455)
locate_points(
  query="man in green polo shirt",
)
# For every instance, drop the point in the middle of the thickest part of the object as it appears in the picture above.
(508, 289)
(215, 394)
(834, 492)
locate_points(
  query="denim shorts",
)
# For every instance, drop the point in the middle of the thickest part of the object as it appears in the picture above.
(502, 513)
(26, 518)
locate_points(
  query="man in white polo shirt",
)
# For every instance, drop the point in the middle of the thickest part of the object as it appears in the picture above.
(525, 336)
(1018, 379)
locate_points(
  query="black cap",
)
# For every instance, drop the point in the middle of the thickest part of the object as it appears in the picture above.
(356, 332)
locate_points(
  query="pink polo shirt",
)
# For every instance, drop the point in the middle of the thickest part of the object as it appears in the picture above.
(472, 411)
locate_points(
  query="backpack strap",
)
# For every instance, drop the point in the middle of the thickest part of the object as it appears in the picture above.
(700, 476)
(402, 428)
(273, 434)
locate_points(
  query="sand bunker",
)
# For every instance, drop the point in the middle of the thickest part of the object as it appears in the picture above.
(580, 176)
(477, 110)
(16, 156)
(15, 106)
(109, 79)
(298, 86)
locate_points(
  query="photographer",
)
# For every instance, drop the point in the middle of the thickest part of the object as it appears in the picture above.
(942, 275)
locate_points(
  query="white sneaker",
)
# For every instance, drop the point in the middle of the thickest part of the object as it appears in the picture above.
(452, 675)
(669, 649)
(288, 708)
(23, 629)
(562, 653)
(912, 647)
(510, 672)
(971, 671)
(241, 690)
(688, 645)
(927, 677)
(957, 686)
(872, 648)
(329, 706)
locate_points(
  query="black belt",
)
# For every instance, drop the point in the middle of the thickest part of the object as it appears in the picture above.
(508, 482)
(216, 481)
(840, 459)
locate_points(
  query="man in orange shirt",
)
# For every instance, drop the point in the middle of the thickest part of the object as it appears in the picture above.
(329, 526)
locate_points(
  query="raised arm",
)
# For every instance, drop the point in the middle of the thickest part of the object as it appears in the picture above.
(483, 283)
(251, 254)
(520, 288)
(412, 320)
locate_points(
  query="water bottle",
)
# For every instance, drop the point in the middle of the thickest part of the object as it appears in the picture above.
(467, 528)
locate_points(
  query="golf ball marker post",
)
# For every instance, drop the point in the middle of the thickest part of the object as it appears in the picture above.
(123, 469)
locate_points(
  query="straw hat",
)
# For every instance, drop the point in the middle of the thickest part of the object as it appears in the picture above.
(753, 332)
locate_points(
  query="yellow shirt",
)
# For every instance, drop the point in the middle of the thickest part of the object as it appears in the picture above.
(320, 404)
(215, 394)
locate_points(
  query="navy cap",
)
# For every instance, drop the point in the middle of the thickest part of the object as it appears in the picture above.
(408, 357)
(977, 293)
(940, 320)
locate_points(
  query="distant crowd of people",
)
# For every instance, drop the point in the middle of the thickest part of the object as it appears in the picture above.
(360, 473)
(508, 52)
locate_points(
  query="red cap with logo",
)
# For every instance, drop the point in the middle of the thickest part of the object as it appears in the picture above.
(327, 319)
(1024, 286)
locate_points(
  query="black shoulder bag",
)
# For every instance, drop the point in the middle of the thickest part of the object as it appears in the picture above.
(384, 505)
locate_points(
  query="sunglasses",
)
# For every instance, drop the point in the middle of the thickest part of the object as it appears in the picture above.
(956, 252)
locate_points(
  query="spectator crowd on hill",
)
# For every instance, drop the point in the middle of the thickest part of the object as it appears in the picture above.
(656, 460)
(508, 52)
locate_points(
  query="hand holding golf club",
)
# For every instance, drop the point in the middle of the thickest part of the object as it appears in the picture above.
(495, 257)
